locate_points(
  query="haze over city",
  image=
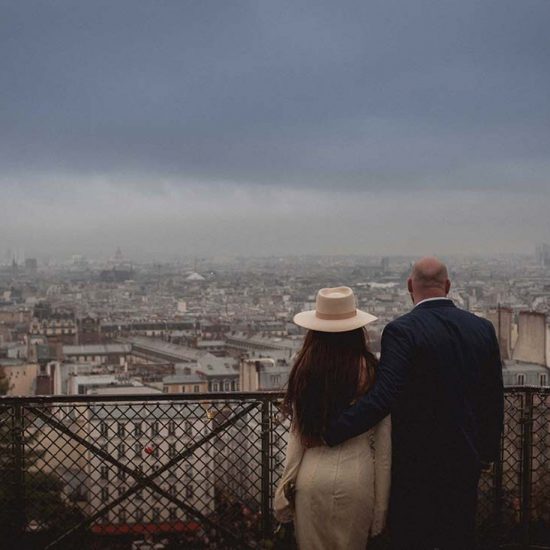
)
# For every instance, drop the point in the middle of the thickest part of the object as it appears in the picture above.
(204, 128)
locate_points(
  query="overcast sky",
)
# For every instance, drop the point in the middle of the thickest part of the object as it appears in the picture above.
(273, 126)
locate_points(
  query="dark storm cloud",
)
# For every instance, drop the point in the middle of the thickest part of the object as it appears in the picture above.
(258, 127)
(365, 95)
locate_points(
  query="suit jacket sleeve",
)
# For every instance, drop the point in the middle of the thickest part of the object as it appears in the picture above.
(382, 474)
(391, 377)
(490, 411)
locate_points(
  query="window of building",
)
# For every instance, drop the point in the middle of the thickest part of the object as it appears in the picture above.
(104, 429)
(121, 490)
(188, 491)
(121, 450)
(171, 428)
(122, 516)
(171, 450)
(227, 385)
(137, 448)
(139, 515)
(520, 380)
(215, 386)
(104, 520)
(196, 389)
(137, 429)
(121, 475)
(104, 494)
(156, 515)
(544, 380)
(104, 472)
(154, 428)
(172, 514)
(121, 429)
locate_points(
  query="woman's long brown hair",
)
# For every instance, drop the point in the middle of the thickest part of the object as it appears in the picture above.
(330, 371)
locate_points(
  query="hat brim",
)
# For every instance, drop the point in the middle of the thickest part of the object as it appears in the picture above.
(309, 320)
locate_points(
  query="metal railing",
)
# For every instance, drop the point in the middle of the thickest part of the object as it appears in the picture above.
(199, 471)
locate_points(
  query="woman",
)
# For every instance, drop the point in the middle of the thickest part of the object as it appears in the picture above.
(341, 493)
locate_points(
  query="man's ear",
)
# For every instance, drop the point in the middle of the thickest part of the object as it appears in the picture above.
(409, 285)
(447, 286)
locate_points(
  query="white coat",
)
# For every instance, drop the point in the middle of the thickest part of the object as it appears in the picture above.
(342, 493)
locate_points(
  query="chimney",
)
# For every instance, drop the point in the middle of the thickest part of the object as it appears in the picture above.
(502, 321)
(531, 344)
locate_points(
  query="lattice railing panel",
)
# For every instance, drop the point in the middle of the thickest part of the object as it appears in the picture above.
(540, 475)
(200, 471)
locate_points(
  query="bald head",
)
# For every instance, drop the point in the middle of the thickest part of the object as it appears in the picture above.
(428, 279)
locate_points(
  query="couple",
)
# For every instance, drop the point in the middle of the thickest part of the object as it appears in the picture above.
(439, 376)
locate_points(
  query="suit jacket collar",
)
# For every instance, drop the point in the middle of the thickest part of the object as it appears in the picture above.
(440, 302)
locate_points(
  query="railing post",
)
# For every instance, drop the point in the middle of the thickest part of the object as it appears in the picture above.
(497, 484)
(526, 468)
(266, 470)
(18, 479)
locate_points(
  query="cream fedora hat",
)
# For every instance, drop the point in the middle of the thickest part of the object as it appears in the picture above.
(334, 311)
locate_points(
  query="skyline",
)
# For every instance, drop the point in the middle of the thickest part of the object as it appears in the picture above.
(196, 262)
(305, 127)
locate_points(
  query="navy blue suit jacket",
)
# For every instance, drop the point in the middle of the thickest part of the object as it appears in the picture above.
(440, 377)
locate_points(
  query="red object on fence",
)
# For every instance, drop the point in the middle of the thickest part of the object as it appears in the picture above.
(141, 528)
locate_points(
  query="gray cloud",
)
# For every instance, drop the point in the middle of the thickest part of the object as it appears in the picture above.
(233, 220)
(210, 100)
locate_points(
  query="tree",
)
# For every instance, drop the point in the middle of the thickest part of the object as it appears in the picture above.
(33, 508)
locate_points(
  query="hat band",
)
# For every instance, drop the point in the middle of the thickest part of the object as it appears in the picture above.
(335, 316)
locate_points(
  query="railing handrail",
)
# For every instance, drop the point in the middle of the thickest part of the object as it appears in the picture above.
(206, 396)
(139, 397)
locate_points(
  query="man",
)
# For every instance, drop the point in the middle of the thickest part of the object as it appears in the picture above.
(440, 377)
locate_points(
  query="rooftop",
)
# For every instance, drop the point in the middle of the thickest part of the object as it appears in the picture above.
(182, 379)
(97, 349)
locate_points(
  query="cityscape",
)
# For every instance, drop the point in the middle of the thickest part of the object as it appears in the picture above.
(157, 350)
(77, 326)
